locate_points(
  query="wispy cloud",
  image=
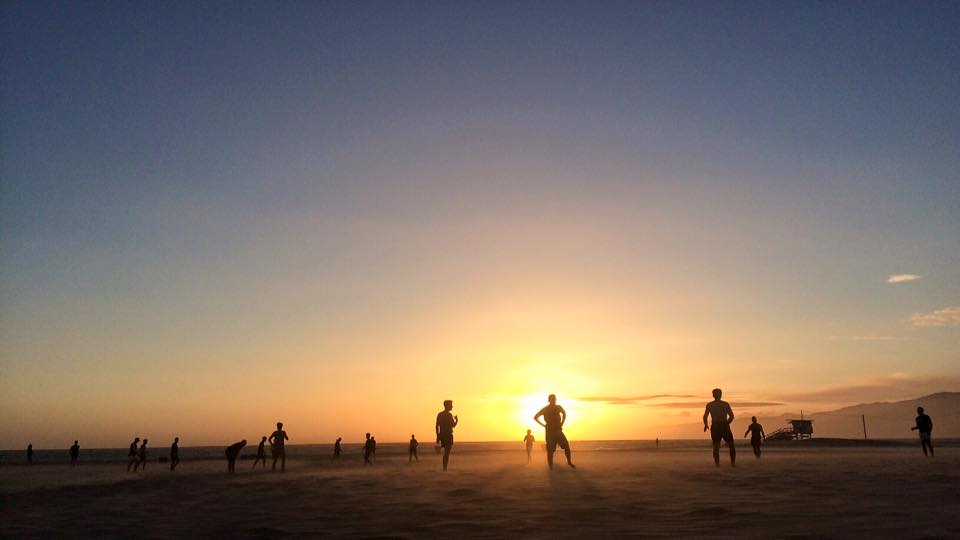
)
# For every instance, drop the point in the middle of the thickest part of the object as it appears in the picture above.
(700, 404)
(862, 338)
(890, 387)
(948, 316)
(902, 278)
(630, 400)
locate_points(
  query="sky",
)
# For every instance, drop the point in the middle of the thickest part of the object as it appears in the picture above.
(337, 215)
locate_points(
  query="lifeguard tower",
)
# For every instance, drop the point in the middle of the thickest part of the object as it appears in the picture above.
(798, 429)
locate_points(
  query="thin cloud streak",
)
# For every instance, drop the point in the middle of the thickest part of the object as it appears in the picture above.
(700, 404)
(630, 400)
(892, 387)
(902, 278)
(948, 316)
(863, 338)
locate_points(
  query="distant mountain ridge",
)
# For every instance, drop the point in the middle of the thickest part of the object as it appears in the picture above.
(888, 420)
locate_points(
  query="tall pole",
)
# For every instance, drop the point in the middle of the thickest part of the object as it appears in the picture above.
(863, 419)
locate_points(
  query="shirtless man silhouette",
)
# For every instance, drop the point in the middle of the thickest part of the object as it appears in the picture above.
(755, 430)
(276, 443)
(132, 454)
(721, 414)
(528, 442)
(412, 450)
(554, 416)
(446, 421)
(261, 454)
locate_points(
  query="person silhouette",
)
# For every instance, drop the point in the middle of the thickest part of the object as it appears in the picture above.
(277, 438)
(721, 414)
(528, 442)
(175, 453)
(367, 450)
(554, 416)
(337, 449)
(658, 442)
(755, 430)
(29, 454)
(232, 452)
(141, 457)
(261, 453)
(446, 421)
(75, 453)
(373, 447)
(925, 427)
(132, 453)
(412, 450)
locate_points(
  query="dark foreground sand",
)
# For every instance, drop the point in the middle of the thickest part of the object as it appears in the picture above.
(808, 492)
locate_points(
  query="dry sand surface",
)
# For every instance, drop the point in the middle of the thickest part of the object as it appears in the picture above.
(810, 492)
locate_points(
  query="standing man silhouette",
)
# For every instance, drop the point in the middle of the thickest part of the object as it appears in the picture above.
(446, 421)
(925, 427)
(367, 450)
(554, 416)
(721, 414)
(756, 435)
(29, 454)
(276, 442)
(261, 454)
(74, 453)
(337, 449)
(132, 454)
(528, 442)
(412, 450)
(175, 453)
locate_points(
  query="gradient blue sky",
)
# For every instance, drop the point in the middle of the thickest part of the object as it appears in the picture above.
(225, 213)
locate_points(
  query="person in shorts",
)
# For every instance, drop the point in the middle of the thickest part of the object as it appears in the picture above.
(721, 415)
(554, 416)
(755, 430)
(277, 438)
(925, 427)
(446, 421)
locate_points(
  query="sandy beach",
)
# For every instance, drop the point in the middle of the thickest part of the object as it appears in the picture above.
(811, 491)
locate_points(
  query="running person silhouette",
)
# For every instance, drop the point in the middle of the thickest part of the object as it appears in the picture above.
(755, 430)
(925, 427)
(337, 449)
(141, 457)
(554, 416)
(721, 414)
(261, 453)
(132, 454)
(446, 421)
(277, 438)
